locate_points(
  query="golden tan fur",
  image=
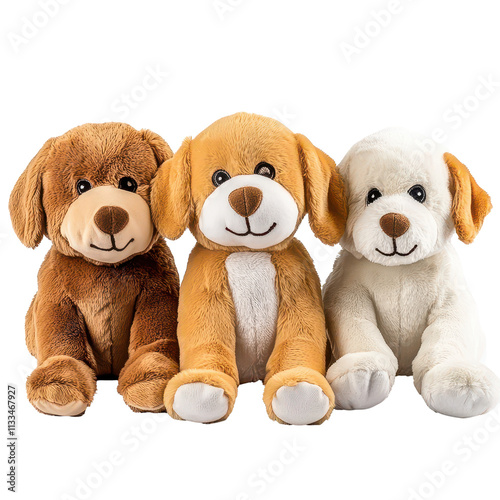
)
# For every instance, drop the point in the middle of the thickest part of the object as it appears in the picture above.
(206, 311)
(238, 143)
(471, 204)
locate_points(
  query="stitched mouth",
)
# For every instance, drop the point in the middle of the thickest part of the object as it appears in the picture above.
(395, 250)
(249, 230)
(113, 245)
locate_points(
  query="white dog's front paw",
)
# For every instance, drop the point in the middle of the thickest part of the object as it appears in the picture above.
(361, 380)
(460, 389)
(200, 402)
(300, 404)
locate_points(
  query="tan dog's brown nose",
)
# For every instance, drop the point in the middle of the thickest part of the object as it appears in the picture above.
(394, 225)
(246, 200)
(111, 220)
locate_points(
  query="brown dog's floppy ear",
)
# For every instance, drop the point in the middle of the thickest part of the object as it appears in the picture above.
(171, 193)
(159, 146)
(471, 204)
(25, 203)
(324, 189)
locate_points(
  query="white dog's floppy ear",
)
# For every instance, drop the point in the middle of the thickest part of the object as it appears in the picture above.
(325, 198)
(25, 203)
(159, 146)
(171, 193)
(471, 204)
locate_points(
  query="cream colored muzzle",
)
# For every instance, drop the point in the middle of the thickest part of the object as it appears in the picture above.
(108, 225)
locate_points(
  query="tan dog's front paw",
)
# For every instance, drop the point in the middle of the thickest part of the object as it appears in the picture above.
(143, 379)
(301, 404)
(299, 396)
(198, 395)
(61, 386)
(199, 402)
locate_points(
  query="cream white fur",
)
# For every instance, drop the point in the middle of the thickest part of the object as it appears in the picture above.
(252, 280)
(391, 162)
(405, 315)
(277, 207)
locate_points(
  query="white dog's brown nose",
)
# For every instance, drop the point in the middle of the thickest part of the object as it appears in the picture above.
(394, 225)
(111, 220)
(245, 201)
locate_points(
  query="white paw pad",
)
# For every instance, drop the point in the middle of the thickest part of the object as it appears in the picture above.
(300, 404)
(361, 389)
(200, 402)
(460, 390)
(72, 409)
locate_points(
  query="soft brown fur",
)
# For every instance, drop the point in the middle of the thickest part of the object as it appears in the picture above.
(89, 320)
(206, 311)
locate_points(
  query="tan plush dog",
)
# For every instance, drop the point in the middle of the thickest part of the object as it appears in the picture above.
(250, 303)
(108, 289)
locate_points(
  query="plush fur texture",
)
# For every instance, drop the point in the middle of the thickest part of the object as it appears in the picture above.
(236, 308)
(274, 220)
(408, 312)
(115, 316)
(252, 281)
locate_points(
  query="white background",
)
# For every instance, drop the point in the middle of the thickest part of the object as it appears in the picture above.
(419, 66)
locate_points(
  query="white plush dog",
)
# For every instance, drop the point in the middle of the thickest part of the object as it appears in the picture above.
(396, 301)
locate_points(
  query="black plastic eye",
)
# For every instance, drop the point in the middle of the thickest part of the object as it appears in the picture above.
(219, 177)
(373, 195)
(265, 169)
(127, 184)
(83, 185)
(418, 193)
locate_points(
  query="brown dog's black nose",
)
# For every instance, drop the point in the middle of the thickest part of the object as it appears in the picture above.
(394, 225)
(111, 220)
(246, 200)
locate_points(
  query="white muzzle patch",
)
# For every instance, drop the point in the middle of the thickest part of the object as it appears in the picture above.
(270, 220)
(417, 242)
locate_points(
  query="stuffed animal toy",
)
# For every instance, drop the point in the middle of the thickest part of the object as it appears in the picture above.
(396, 302)
(108, 288)
(250, 303)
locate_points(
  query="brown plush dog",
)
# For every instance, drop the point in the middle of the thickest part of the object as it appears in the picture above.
(250, 303)
(108, 288)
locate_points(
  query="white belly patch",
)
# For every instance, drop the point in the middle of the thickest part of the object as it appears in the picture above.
(252, 281)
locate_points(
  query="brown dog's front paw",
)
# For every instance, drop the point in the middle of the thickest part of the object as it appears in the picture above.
(61, 386)
(143, 380)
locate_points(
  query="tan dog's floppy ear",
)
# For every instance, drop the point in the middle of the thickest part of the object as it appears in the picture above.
(171, 193)
(159, 146)
(25, 203)
(324, 189)
(471, 204)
